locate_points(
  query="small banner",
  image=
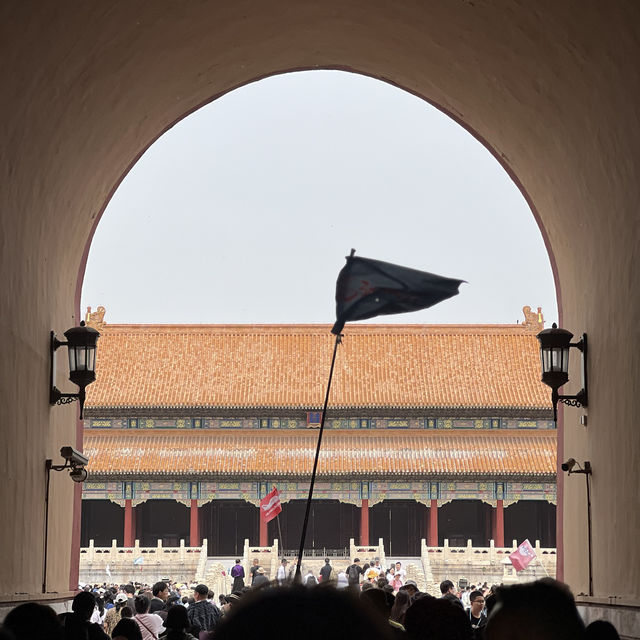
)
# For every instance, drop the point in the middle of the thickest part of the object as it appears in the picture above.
(522, 556)
(270, 505)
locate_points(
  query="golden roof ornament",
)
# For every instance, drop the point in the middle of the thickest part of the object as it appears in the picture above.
(533, 320)
(95, 319)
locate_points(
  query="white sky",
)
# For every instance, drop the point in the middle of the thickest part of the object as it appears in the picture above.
(244, 211)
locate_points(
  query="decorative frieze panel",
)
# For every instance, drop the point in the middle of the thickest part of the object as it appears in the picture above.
(247, 491)
(516, 491)
(143, 491)
(347, 492)
(312, 420)
(113, 491)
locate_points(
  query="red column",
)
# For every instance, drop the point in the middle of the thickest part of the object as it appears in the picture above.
(194, 525)
(364, 523)
(498, 524)
(134, 526)
(129, 533)
(432, 537)
(264, 538)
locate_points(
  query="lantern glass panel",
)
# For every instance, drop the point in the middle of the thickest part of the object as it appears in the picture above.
(80, 358)
(72, 359)
(91, 358)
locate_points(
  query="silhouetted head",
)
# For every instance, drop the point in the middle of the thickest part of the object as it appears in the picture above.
(431, 618)
(313, 614)
(126, 629)
(177, 618)
(601, 630)
(33, 620)
(142, 604)
(541, 610)
(83, 604)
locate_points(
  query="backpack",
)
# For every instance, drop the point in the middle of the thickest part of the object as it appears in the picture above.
(353, 574)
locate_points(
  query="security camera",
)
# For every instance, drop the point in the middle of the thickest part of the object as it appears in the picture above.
(568, 465)
(78, 474)
(75, 458)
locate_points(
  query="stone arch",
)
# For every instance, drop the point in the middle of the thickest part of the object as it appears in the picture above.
(551, 91)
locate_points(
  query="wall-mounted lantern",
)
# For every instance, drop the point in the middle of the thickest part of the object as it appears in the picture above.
(554, 356)
(81, 345)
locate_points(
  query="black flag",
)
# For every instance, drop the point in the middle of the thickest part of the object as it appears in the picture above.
(367, 288)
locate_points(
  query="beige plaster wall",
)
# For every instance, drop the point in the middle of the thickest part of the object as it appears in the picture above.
(552, 87)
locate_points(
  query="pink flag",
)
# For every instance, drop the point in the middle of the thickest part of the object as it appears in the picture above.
(522, 556)
(270, 505)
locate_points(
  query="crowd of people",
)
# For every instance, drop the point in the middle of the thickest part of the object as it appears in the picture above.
(362, 600)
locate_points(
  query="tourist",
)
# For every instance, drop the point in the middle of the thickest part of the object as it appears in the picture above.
(261, 579)
(545, 609)
(310, 579)
(130, 590)
(150, 624)
(113, 615)
(429, 618)
(281, 576)
(77, 625)
(400, 572)
(160, 593)
(448, 591)
(312, 614)
(325, 571)
(390, 573)
(476, 614)
(396, 582)
(177, 623)
(237, 573)
(254, 568)
(465, 598)
(354, 571)
(126, 629)
(410, 587)
(601, 630)
(32, 621)
(203, 616)
(343, 581)
(400, 606)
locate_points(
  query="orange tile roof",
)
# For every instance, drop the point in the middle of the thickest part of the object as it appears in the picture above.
(286, 366)
(254, 453)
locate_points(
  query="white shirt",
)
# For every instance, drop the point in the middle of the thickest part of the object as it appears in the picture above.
(150, 625)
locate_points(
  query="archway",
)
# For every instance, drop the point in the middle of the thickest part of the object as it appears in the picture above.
(82, 107)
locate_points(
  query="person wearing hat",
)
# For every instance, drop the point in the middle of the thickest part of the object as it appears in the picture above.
(411, 587)
(114, 614)
(261, 579)
(282, 572)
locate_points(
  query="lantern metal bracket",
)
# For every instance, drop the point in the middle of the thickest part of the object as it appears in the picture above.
(580, 399)
(55, 395)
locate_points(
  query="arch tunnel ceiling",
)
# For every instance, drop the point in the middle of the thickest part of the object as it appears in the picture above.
(101, 83)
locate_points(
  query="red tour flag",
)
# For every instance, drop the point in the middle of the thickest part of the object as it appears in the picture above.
(270, 505)
(522, 556)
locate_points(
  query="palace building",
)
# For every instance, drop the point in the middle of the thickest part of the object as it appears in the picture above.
(432, 431)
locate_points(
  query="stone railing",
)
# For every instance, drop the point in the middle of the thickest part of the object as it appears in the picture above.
(142, 564)
(480, 564)
(368, 552)
(267, 557)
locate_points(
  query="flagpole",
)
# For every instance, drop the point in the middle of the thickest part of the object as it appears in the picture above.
(303, 536)
(280, 535)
